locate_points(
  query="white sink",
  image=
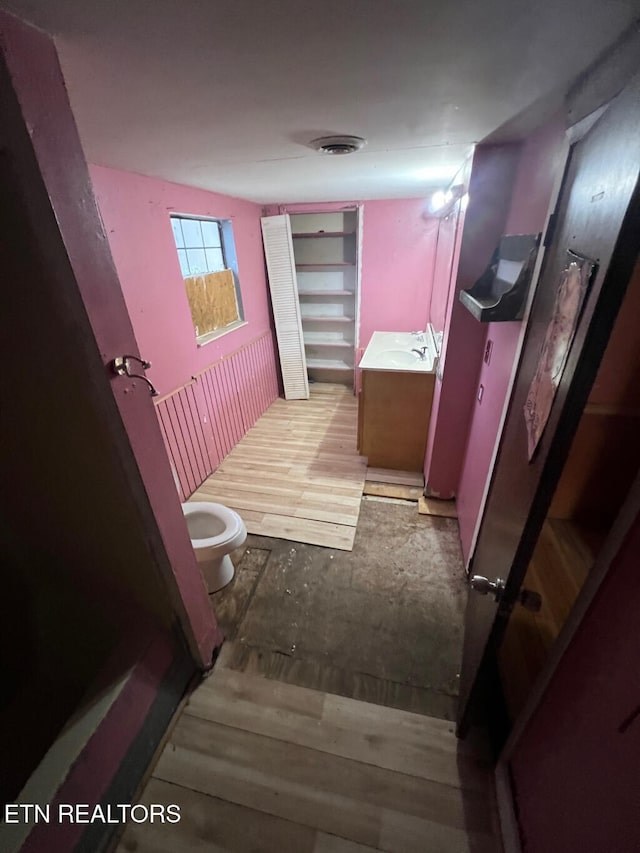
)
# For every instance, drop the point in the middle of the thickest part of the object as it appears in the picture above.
(393, 351)
(397, 358)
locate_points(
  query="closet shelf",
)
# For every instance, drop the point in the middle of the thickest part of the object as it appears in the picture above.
(305, 235)
(329, 364)
(324, 266)
(329, 344)
(338, 319)
(327, 293)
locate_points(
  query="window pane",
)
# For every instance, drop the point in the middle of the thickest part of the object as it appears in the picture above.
(184, 264)
(192, 233)
(177, 232)
(215, 261)
(197, 261)
(211, 233)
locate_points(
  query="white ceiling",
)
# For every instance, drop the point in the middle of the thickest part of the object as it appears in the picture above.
(224, 95)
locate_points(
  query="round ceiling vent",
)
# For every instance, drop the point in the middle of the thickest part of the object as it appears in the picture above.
(338, 144)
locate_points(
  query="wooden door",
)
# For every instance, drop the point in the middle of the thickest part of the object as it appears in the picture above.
(283, 288)
(596, 218)
(51, 191)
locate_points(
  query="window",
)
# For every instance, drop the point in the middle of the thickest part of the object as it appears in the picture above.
(206, 252)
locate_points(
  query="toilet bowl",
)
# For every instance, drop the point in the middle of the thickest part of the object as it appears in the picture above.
(215, 531)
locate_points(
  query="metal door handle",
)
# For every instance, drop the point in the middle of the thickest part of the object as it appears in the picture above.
(526, 597)
(121, 367)
(484, 586)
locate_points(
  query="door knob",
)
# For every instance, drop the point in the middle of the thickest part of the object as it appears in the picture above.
(484, 586)
(529, 599)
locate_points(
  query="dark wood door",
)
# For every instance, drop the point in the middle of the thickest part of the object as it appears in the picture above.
(597, 218)
(44, 156)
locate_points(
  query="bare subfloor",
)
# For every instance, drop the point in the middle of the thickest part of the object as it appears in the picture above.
(382, 623)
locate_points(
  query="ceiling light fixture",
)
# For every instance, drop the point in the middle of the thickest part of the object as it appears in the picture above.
(442, 201)
(439, 200)
(338, 144)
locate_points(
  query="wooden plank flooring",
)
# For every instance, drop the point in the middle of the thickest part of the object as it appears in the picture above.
(297, 474)
(255, 764)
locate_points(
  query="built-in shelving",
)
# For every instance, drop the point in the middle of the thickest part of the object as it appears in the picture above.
(326, 252)
(326, 294)
(330, 265)
(301, 235)
(317, 319)
(330, 344)
(329, 363)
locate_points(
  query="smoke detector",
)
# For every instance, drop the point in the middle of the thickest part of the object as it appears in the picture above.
(338, 144)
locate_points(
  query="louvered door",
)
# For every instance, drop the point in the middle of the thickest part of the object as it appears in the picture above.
(278, 249)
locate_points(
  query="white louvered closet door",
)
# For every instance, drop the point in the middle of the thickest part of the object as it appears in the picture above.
(281, 266)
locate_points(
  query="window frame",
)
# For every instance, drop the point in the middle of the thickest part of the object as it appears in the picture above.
(229, 260)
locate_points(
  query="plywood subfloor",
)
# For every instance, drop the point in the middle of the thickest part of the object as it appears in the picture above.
(437, 507)
(296, 474)
(392, 490)
(255, 764)
(408, 486)
(401, 478)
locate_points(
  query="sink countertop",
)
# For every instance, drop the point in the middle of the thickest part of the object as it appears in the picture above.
(391, 352)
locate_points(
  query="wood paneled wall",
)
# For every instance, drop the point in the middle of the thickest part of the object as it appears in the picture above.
(202, 421)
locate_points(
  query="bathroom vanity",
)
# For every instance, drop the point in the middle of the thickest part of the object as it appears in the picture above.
(394, 407)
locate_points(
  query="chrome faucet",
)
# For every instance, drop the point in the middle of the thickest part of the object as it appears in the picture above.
(422, 352)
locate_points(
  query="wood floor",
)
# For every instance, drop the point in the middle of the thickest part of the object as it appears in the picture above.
(257, 765)
(297, 474)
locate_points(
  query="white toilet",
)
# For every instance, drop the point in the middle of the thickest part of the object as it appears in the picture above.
(215, 531)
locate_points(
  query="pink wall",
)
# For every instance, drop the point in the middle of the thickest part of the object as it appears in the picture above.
(490, 182)
(538, 163)
(575, 769)
(398, 252)
(135, 211)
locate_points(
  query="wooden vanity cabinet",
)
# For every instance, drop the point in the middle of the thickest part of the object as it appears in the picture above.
(393, 418)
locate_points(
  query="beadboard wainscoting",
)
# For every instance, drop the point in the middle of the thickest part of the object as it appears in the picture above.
(203, 420)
